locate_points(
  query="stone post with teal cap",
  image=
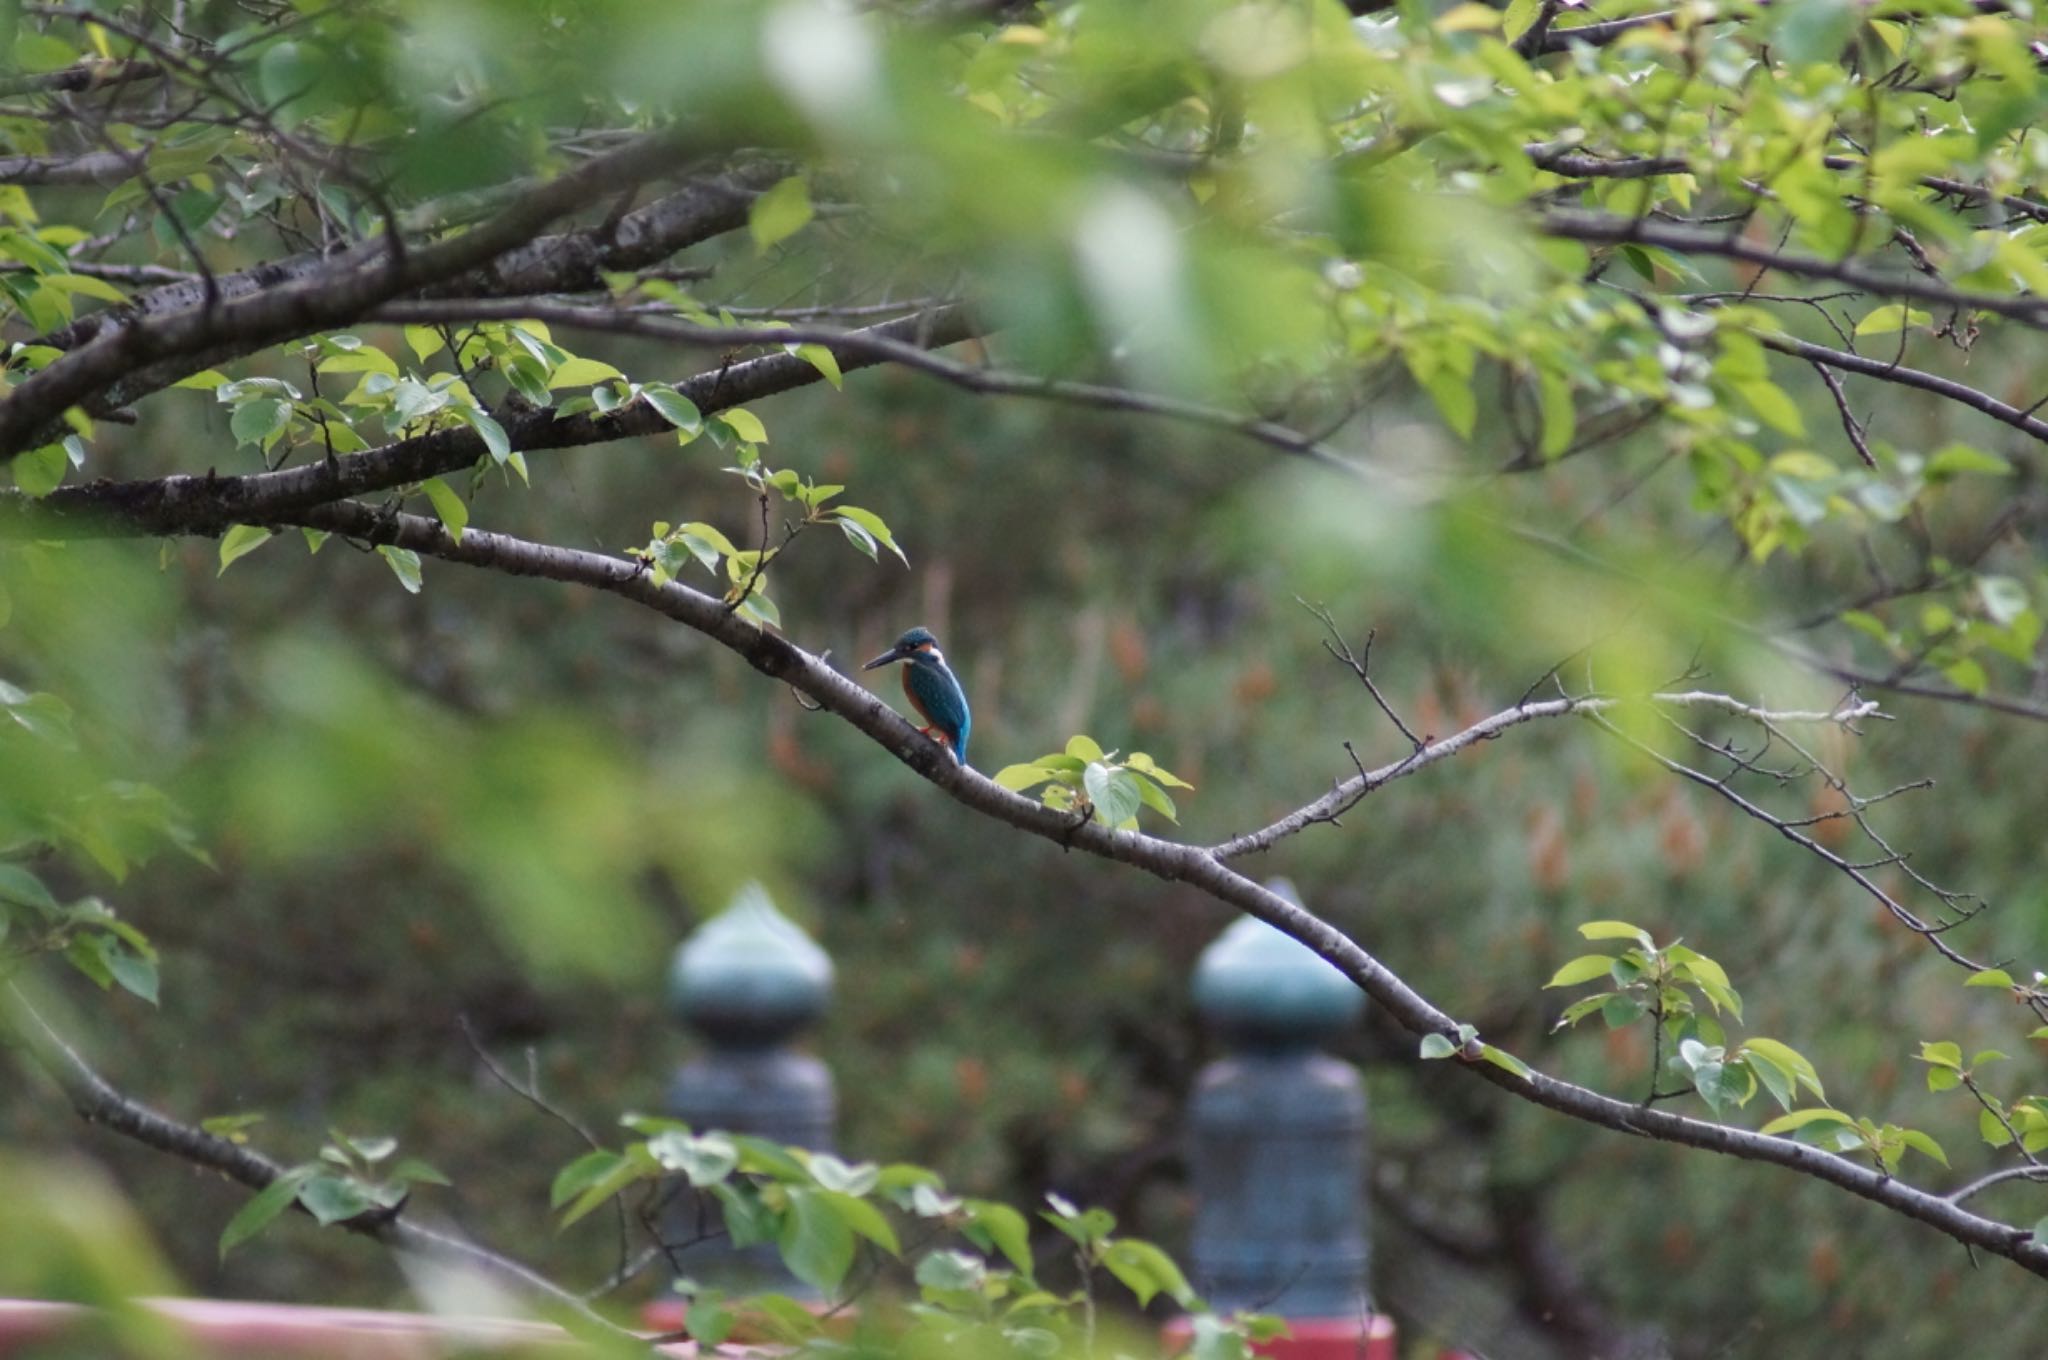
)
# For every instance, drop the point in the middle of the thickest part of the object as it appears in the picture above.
(1277, 1134)
(747, 982)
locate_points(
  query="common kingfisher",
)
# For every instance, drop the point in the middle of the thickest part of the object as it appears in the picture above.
(932, 688)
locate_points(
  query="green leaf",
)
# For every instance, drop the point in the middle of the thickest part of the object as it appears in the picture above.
(258, 419)
(365, 360)
(412, 399)
(1924, 1144)
(530, 380)
(411, 1170)
(1146, 1271)
(19, 886)
(1584, 968)
(1138, 760)
(708, 1321)
(872, 523)
(950, 1272)
(2004, 598)
(453, 513)
(1454, 398)
(1154, 797)
(1582, 1008)
(865, 1219)
(85, 285)
(1615, 930)
(41, 471)
(630, 1167)
(747, 426)
(1782, 1085)
(1776, 409)
(859, 538)
(1956, 459)
(373, 1149)
(822, 359)
(230, 1126)
(272, 1200)
(677, 409)
(240, 541)
(1799, 1119)
(1891, 318)
(1113, 790)
(1621, 1010)
(764, 1157)
(1506, 1061)
(816, 1240)
(1989, 977)
(1967, 674)
(579, 1175)
(135, 972)
(1943, 1053)
(332, 1199)
(1085, 1226)
(495, 439)
(1436, 1046)
(749, 1222)
(1787, 1059)
(859, 1178)
(1815, 30)
(404, 564)
(705, 1159)
(788, 1320)
(1018, 778)
(424, 342)
(1008, 1231)
(779, 214)
(578, 371)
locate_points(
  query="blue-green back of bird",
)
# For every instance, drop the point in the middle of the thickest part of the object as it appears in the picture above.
(936, 693)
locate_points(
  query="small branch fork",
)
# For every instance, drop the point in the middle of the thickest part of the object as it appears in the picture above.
(1953, 907)
(98, 1102)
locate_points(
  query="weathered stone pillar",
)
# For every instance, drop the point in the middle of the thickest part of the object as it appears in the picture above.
(1277, 1136)
(748, 982)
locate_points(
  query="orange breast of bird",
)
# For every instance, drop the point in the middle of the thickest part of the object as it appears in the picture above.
(911, 694)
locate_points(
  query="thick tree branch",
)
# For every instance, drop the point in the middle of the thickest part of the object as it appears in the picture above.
(96, 167)
(208, 504)
(330, 296)
(1201, 869)
(568, 262)
(94, 75)
(1576, 163)
(878, 346)
(1885, 371)
(1606, 229)
(98, 1102)
(1540, 40)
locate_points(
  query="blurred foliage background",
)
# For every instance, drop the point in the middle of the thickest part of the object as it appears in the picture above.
(503, 801)
(1013, 1016)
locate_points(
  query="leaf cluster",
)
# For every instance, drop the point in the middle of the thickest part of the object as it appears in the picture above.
(1095, 784)
(972, 1267)
(347, 1181)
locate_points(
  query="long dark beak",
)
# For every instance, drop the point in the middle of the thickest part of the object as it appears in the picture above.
(884, 659)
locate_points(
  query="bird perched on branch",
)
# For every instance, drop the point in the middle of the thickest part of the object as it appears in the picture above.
(932, 688)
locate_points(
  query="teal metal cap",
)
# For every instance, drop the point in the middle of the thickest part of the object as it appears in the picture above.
(749, 974)
(1269, 990)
